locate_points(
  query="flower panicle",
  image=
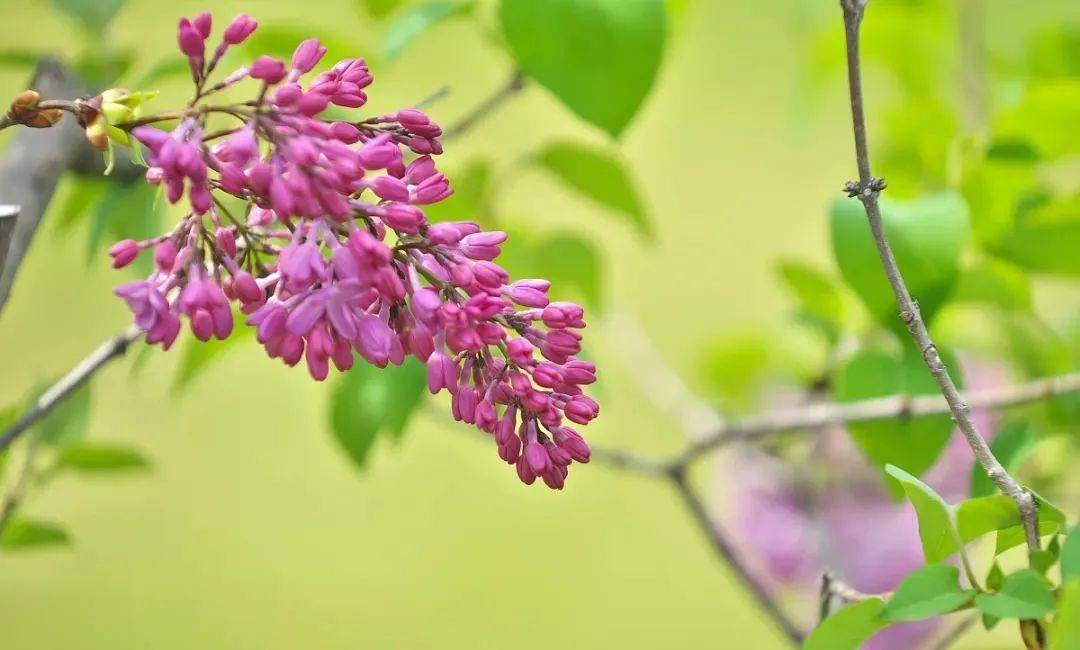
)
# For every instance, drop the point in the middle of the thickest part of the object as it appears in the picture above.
(332, 257)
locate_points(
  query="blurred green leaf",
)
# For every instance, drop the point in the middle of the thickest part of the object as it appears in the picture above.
(599, 175)
(1012, 446)
(1070, 555)
(378, 9)
(8, 415)
(993, 188)
(919, 135)
(1023, 595)
(1045, 113)
(367, 401)
(818, 296)
(94, 15)
(100, 68)
(164, 70)
(1055, 51)
(736, 367)
(937, 527)
(599, 57)
(913, 443)
(414, 21)
(21, 534)
(1046, 237)
(928, 591)
(125, 211)
(571, 263)
(1012, 150)
(995, 282)
(198, 355)
(102, 457)
(927, 236)
(19, 58)
(472, 185)
(849, 628)
(81, 194)
(67, 422)
(1065, 633)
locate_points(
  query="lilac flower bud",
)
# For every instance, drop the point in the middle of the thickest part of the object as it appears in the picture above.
(191, 42)
(124, 252)
(226, 241)
(268, 69)
(312, 104)
(389, 188)
(307, 55)
(287, 95)
(482, 245)
(165, 255)
(524, 471)
(345, 132)
(521, 352)
(537, 458)
(247, 289)
(402, 218)
(560, 315)
(203, 24)
(379, 153)
(529, 293)
(239, 29)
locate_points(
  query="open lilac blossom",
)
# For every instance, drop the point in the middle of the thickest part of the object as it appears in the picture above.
(334, 256)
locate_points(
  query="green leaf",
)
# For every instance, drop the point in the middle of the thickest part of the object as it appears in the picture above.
(1065, 634)
(929, 591)
(995, 282)
(21, 534)
(199, 355)
(1045, 237)
(818, 295)
(81, 194)
(102, 457)
(67, 422)
(599, 175)
(1051, 520)
(19, 58)
(927, 236)
(1044, 115)
(571, 263)
(367, 401)
(414, 21)
(1012, 446)
(599, 57)
(125, 211)
(1070, 555)
(170, 68)
(378, 9)
(849, 628)
(937, 526)
(1024, 595)
(95, 15)
(995, 577)
(914, 443)
(1041, 560)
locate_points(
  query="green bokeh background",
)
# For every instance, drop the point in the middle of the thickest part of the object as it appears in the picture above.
(254, 531)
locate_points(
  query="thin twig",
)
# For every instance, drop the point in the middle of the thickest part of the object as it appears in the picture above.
(727, 553)
(9, 216)
(817, 416)
(487, 106)
(111, 349)
(867, 191)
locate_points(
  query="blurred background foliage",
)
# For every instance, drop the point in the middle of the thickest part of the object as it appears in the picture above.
(671, 164)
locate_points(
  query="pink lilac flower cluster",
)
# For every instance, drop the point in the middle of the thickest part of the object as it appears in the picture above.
(849, 525)
(333, 254)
